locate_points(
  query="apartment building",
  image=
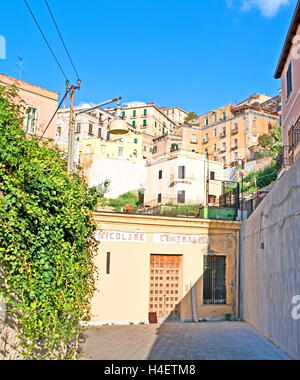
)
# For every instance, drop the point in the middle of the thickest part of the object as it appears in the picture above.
(180, 177)
(39, 106)
(288, 70)
(121, 161)
(134, 146)
(90, 125)
(147, 118)
(176, 114)
(230, 133)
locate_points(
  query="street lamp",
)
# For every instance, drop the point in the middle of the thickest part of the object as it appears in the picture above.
(118, 126)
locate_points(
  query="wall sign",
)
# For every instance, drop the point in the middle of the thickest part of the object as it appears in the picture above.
(180, 239)
(120, 237)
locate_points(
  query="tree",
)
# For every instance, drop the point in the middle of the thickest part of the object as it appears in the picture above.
(46, 240)
(190, 116)
(271, 144)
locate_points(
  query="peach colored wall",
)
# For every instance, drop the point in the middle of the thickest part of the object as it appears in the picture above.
(123, 295)
(45, 101)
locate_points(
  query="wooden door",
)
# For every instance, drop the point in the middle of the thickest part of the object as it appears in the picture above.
(165, 286)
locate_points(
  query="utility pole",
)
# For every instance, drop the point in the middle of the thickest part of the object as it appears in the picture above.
(71, 139)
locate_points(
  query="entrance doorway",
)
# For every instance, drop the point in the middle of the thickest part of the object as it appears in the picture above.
(165, 287)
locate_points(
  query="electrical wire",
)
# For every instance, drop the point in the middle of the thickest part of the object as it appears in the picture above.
(62, 40)
(46, 41)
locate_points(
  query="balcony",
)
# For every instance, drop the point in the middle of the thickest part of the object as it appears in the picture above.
(205, 141)
(234, 147)
(235, 131)
(223, 135)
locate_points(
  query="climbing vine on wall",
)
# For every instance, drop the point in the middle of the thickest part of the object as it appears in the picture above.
(47, 273)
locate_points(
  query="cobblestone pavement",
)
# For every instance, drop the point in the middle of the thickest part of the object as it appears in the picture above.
(179, 341)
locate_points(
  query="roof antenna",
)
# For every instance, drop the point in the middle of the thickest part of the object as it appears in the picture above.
(20, 67)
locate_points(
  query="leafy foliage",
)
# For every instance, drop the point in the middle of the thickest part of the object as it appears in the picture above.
(46, 240)
(190, 116)
(271, 144)
(120, 203)
(259, 179)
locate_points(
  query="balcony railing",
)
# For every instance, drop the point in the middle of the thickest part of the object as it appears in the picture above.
(235, 131)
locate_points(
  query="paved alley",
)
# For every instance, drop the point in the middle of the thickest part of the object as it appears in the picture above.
(178, 341)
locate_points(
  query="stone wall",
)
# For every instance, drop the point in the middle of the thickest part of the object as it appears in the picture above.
(270, 264)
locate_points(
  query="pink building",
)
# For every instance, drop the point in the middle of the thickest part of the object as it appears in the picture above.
(288, 70)
(39, 103)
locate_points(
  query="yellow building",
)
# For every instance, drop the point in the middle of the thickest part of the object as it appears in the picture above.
(160, 268)
(147, 118)
(133, 147)
(229, 133)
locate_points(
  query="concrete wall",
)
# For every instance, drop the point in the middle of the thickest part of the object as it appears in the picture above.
(123, 175)
(270, 277)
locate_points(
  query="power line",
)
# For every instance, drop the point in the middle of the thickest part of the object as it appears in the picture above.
(62, 40)
(45, 39)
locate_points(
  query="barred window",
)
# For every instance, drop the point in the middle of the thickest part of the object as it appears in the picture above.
(214, 288)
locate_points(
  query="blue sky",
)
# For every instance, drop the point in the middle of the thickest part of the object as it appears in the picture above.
(195, 54)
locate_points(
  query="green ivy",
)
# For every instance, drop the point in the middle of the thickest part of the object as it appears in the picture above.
(46, 240)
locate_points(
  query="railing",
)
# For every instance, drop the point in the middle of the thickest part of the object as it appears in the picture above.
(283, 159)
(234, 131)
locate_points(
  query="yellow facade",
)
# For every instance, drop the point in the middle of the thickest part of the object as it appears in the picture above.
(130, 147)
(123, 287)
(228, 134)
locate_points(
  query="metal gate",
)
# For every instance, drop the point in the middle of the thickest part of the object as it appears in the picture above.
(165, 286)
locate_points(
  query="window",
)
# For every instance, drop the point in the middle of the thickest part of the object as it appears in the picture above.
(121, 152)
(236, 156)
(135, 141)
(144, 123)
(145, 112)
(90, 129)
(133, 123)
(215, 132)
(31, 120)
(123, 115)
(135, 153)
(88, 149)
(254, 123)
(224, 115)
(58, 131)
(214, 280)
(108, 263)
(224, 132)
(159, 198)
(289, 80)
(99, 132)
(215, 147)
(181, 172)
(206, 137)
(206, 152)
(134, 113)
(160, 174)
(194, 139)
(206, 121)
(235, 143)
(78, 128)
(181, 197)
(255, 138)
(212, 176)
(108, 136)
(214, 117)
